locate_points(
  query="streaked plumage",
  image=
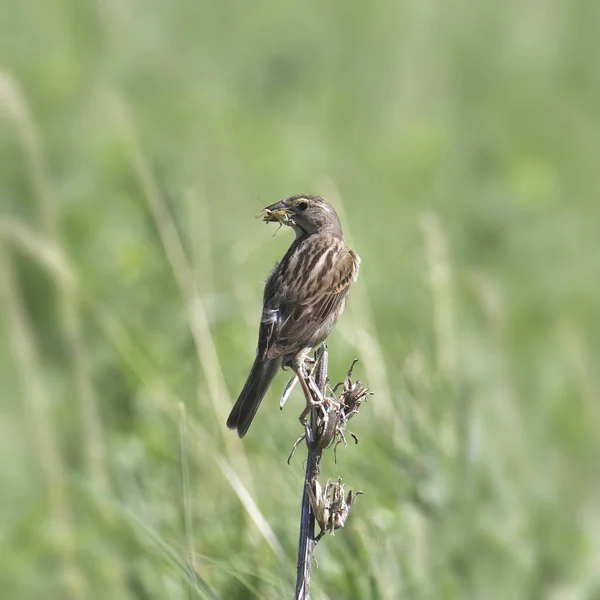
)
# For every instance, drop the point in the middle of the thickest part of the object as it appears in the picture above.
(303, 297)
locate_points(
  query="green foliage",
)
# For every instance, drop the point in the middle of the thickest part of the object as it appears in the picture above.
(460, 141)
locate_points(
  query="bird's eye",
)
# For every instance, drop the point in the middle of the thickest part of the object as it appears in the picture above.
(302, 206)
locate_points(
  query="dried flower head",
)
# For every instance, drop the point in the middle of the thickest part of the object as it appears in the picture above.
(331, 414)
(330, 506)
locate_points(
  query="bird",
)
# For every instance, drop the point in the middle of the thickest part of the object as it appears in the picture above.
(303, 297)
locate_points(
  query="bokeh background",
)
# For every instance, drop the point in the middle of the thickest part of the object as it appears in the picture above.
(460, 142)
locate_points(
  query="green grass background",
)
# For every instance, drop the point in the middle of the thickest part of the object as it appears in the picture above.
(460, 141)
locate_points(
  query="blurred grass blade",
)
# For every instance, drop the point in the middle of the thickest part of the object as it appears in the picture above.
(27, 361)
(185, 570)
(184, 276)
(188, 522)
(13, 102)
(250, 506)
(436, 251)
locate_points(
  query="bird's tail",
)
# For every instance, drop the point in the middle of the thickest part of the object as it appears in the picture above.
(257, 384)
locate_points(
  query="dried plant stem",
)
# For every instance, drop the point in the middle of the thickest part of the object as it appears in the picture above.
(307, 542)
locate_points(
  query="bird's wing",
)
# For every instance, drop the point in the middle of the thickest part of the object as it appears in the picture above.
(311, 301)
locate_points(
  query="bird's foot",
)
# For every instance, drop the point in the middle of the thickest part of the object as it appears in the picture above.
(317, 400)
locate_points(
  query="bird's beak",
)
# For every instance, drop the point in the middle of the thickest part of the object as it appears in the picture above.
(277, 213)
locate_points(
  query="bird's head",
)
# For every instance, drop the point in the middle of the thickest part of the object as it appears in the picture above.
(305, 213)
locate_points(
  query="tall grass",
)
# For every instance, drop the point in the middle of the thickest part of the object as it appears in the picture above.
(459, 142)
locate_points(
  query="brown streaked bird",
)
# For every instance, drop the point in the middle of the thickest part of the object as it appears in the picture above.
(303, 297)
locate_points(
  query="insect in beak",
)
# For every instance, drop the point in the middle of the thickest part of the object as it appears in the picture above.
(281, 215)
